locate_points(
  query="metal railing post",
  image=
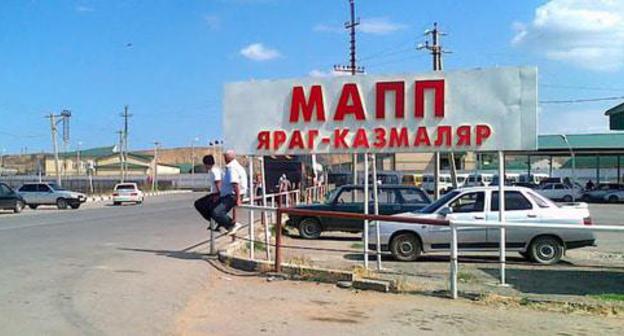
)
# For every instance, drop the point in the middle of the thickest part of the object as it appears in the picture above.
(454, 265)
(278, 241)
(501, 214)
(213, 248)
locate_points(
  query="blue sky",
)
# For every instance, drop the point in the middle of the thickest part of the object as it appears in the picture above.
(168, 60)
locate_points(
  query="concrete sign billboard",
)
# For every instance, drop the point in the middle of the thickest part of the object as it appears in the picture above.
(475, 110)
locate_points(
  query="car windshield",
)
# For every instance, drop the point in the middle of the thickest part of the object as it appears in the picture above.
(329, 198)
(125, 187)
(431, 208)
(56, 187)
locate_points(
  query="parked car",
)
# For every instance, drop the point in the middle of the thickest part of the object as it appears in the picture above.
(561, 192)
(127, 192)
(415, 180)
(479, 180)
(10, 200)
(605, 192)
(527, 185)
(350, 198)
(406, 242)
(36, 194)
(444, 183)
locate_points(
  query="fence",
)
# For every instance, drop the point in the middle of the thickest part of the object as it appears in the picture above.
(454, 266)
(454, 226)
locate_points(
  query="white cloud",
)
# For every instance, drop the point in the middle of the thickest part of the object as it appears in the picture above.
(374, 26)
(585, 33)
(84, 9)
(213, 22)
(258, 52)
(380, 26)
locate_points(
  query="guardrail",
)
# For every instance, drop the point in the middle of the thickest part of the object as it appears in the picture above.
(454, 226)
(454, 266)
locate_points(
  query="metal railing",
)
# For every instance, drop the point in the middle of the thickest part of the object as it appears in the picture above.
(343, 215)
(454, 266)
(453, 225)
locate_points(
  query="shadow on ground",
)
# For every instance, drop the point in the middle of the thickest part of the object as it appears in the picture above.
(563, 282)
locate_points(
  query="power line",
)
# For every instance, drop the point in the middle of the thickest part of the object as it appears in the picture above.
(583, 100)
(580, 87)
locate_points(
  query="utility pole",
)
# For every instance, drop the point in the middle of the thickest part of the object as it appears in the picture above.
(352, 68)
(436, 52)
(121, 156)
(78, 158)
(155, 177)
(65, 115)
(124, 145)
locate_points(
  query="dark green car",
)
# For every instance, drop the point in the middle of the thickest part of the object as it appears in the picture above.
(393, 199)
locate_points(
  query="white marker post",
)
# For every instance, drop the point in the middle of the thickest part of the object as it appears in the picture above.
(376, 209)
(454, 265)
(251, 212)
(501, 213)
(265, 217)
(366, 222)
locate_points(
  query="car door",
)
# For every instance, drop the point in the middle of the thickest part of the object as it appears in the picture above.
(388, 204)
(349, 200)
(29, 193)
(518, 209)
(467, 206)
(6, 197)
(45, 194)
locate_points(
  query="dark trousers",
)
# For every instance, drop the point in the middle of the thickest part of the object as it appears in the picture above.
(205, 205)
(220, 211)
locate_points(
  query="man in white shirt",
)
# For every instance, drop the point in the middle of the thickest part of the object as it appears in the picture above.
(233, 188)
(205, 204)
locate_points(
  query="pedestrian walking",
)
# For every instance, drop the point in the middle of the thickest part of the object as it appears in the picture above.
(233, 188)
(205, 204)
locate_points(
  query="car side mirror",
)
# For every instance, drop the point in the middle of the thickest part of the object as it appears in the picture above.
(445, 211)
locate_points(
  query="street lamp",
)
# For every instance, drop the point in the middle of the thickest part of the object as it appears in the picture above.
(565, 139)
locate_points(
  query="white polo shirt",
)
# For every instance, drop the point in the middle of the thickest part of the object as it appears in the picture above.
(234, 173)
(214, 175)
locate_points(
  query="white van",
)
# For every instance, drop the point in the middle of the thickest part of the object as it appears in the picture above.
(533, 178)
(444, 183)
(479, 180)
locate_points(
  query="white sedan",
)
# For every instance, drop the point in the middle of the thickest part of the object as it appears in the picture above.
(407, 242)
(561, 191)
(127, 192)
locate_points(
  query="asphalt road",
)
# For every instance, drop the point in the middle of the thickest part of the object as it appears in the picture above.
(100, 269)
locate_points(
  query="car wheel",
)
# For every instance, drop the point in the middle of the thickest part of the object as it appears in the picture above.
(33, 206)
(61, 203)
(546, 250)
(75, 206)
(405, 247)
(116, 203)
(310, 228)
(613, 199)
(19, 206)
(567, 198)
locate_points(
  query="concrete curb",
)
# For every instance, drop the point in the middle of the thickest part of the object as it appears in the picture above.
(294, 272)
(102, 198)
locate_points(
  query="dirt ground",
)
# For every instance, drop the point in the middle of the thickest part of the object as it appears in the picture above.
(232, 303)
